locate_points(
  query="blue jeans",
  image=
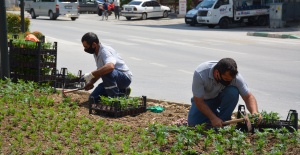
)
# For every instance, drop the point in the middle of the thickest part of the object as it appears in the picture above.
(112, 84)
(222, 105)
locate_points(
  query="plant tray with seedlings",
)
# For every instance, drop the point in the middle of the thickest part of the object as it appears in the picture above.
(269, 120)
(69, 80)
(118, 106)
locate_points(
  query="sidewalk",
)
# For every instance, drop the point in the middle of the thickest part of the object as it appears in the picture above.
(291, 31)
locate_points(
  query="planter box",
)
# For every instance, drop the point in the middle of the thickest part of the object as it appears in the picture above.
(115, 110)
(33, 64)
(291, 122)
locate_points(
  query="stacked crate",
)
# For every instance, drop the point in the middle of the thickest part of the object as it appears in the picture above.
(36, 63)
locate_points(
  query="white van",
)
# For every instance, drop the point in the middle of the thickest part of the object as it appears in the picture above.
(53, 8)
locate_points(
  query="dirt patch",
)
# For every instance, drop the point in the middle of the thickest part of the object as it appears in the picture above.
(173, 111)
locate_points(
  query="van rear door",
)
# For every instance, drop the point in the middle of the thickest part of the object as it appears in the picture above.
(68, 8)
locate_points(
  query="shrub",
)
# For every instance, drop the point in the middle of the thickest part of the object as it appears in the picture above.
(14, 23)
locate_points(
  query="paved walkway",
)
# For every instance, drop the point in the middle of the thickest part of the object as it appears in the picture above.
(291, 31)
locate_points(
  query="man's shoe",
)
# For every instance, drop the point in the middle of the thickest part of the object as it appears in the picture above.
(127, 91)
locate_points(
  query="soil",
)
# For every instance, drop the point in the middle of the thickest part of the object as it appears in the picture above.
(172, 113)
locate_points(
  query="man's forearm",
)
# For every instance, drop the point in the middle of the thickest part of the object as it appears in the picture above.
(103, 70)
(94, 80)
(251, 104)
(204, 108)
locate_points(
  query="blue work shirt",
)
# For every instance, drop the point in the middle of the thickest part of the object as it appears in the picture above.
(106, 55)
(204, 84)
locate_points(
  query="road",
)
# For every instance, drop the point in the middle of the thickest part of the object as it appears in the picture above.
(163, 53)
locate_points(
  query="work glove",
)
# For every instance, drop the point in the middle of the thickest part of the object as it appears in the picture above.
(87, 77)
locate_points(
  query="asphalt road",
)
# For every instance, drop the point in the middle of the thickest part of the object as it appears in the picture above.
(163, 53)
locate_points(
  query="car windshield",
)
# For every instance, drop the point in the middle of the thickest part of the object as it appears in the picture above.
(198, 6)
(134, 3)
(207, 3)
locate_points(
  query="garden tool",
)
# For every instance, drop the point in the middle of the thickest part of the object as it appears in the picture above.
(69, 91)
(244, 119)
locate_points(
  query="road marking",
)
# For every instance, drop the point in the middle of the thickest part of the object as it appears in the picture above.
(119, 42)
(173, 42)
(75, 28)
(60, 41)
(184, 71)
(223, 42)
(134, 58)
(156, 41)
(220, 50)
(146, 41)
(101, 32)
(157, 64)
(211, 42)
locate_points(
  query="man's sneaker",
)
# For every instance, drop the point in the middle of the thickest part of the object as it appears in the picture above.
(127, 91)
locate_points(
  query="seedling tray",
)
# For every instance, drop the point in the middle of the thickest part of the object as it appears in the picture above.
(115, 110)
(291, 122)
(67, 83)
(64, 81)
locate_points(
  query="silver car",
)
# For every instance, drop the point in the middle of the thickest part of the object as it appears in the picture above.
(144, 9)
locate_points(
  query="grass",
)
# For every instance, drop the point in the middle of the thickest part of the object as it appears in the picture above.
(33, 121)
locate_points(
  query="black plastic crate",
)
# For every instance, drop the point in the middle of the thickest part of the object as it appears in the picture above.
(291, 122)
(115, 110)
(63, 81)
(33, 64)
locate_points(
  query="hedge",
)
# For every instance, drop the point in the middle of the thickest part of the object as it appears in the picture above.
(14, 23)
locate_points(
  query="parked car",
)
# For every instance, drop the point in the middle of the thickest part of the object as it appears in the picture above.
(191, 16)
(53, 8)
(144, 9)
(89, 5)
(94, 6)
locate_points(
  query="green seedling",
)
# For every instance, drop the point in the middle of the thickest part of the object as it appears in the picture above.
(33, 124)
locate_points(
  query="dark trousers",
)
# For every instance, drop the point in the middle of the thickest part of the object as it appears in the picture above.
(111, 85)
(223, 106)
(117, 11)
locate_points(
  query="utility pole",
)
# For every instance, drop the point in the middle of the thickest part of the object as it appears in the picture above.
(22, 16)
(4, 71)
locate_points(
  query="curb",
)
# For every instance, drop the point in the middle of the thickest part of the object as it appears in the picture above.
(273, 35)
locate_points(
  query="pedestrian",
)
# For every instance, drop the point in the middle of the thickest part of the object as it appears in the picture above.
(116, 9)
(105, 10)
(216, 88)
(111, 68)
